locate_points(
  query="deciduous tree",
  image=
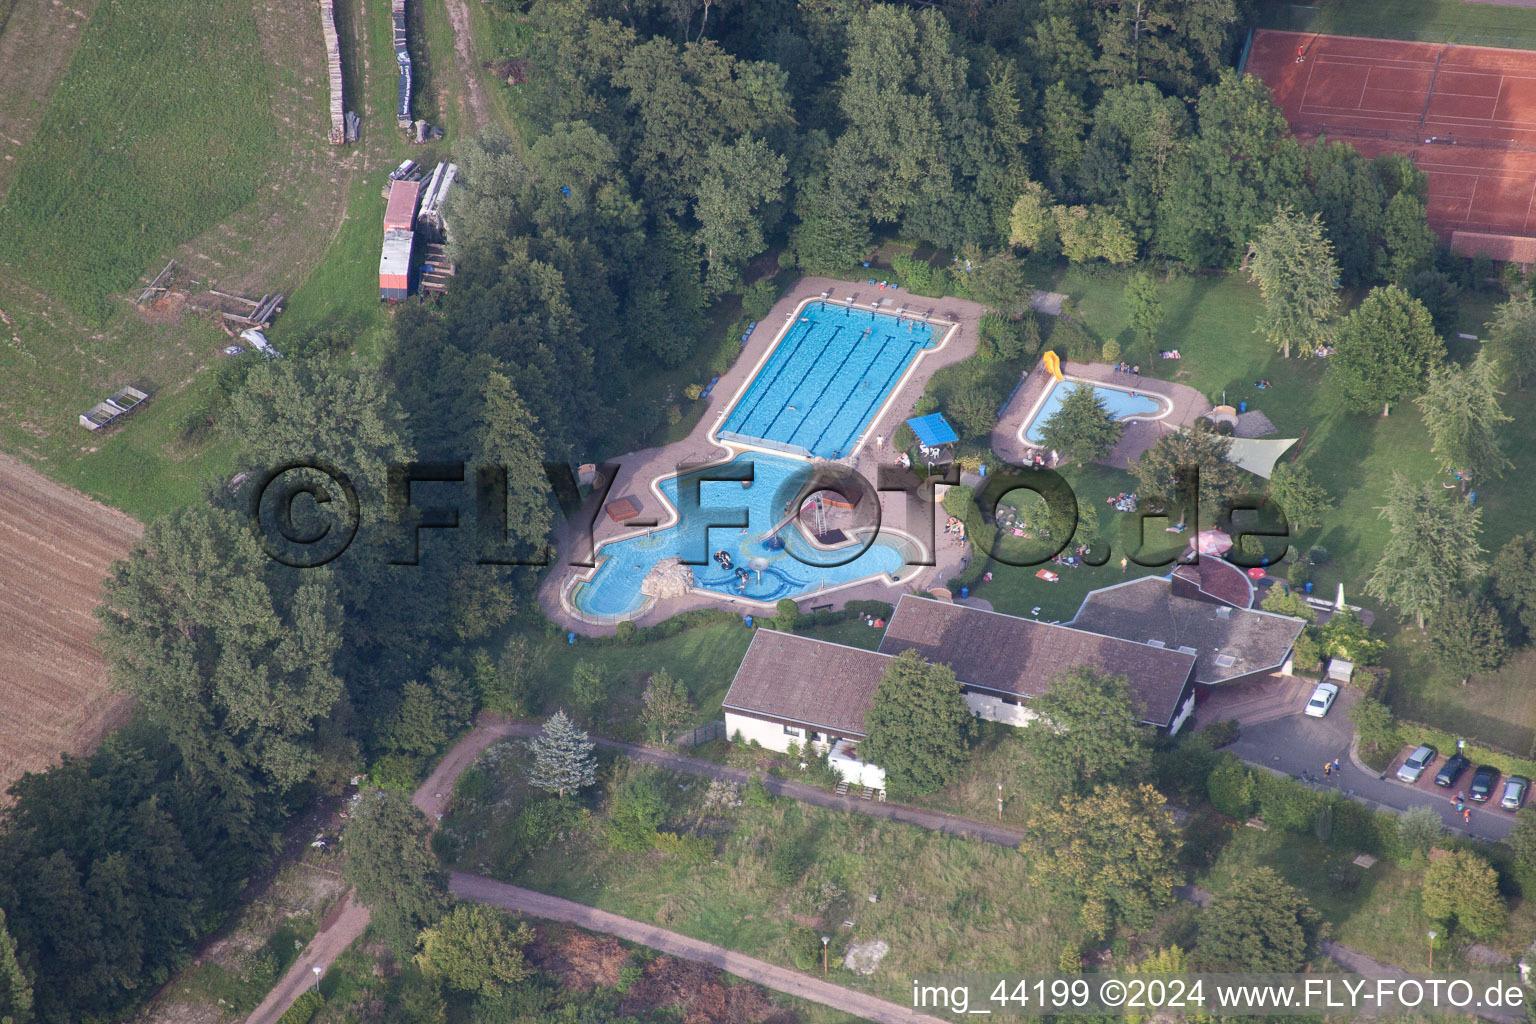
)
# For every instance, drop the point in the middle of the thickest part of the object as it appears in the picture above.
(1512, 338)
(474, 950)
(15, 986)
(1303, 500)
(918, 725)
(1088, 733)
(1467, 637)
(1461, 411)
(1514, 580)
(391, 864)
(1114, 852)
(1157, 470)
(1261, 924)
(1145, 306)
(1432, 550)
(667, 708)
(1462, 888)
(1291, 260)
(1386, 349)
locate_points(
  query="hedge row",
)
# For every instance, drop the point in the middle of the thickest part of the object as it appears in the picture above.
(1241, 791)
(960, 502)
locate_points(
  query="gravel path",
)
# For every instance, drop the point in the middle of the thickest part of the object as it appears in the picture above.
(780, 979)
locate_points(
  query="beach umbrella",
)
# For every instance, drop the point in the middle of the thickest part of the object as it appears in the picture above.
(1212, 542)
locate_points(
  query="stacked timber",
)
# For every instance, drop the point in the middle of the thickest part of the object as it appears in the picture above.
(403, 58)
(333, 62)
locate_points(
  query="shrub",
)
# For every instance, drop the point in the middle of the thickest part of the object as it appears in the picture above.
(1069, 341)
(1418, 829)
(759, 298)
(805, 949)
(876, 609)
(920, 277)
(1286, 803)
(1110, 351)
(636, 811)
(306, 1006)
(788, 614)
(693, 391)
(625, 632)
(790, 859)
(1222, 733)
(1230, 788)
(542, 822)
(632, 972)
(1317, 555)
(1374, 722)
(1298, 573)
(757, 794)
(396, 771)
(685, 849)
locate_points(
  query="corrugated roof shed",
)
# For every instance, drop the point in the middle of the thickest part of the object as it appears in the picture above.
(400, 214)
(1504, 248)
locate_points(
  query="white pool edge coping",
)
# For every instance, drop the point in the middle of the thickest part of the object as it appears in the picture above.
(1028, 421)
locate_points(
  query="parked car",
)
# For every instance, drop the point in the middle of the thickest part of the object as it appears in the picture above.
(1515, 788)
(1483, 781)
(1451, 770)
(1322, 700)
(1417, 761)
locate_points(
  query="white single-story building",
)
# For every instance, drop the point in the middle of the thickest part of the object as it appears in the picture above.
(794, 689)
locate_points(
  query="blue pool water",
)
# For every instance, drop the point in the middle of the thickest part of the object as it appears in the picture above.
(1119, 403)
(615, 588)
(826, 379)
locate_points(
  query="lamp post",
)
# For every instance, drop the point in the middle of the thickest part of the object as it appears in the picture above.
(1431, 934)
(318, 971)
(824, 940)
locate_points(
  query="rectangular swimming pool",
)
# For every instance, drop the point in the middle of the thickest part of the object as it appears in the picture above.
(1120, 403)
(826, 379)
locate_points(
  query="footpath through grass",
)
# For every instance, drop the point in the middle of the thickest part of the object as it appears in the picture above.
(160, 127)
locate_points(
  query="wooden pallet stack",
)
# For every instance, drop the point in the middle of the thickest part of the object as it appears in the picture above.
(333, 61)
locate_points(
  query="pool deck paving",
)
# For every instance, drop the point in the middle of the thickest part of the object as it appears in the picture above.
(1188, 406)
(639, 470)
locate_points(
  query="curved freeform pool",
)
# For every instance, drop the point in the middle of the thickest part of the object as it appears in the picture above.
(1122, 403)
(779, 565)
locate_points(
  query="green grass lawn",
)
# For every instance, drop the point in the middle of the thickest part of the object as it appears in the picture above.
(944, 904)
(1473, 24)
(1210, 320)
(160, 127)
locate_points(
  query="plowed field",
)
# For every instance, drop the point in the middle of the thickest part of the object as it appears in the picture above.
(55, 546)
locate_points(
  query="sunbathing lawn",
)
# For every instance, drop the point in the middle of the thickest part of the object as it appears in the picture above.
(1210, 321)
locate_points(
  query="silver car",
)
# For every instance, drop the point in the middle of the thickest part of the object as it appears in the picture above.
(1414, 767)
(1515, 788)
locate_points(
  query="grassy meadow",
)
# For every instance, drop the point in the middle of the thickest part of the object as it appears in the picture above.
(160, 127)
(944, 904)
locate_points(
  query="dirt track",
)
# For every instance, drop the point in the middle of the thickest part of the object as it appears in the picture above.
(55, 547)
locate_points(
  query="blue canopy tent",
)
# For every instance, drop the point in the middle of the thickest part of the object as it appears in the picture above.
(933, 430)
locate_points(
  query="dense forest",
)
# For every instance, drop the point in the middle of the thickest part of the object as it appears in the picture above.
(662, 147)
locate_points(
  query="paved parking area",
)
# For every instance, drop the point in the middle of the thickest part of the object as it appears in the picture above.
(1297, 745)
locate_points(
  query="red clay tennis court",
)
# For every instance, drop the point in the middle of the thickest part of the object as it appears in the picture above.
(1465, 114)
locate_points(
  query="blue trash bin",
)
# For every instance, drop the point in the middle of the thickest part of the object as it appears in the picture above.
(965, 592)
(749, 622)
(570, 638)
(1242, 406)
(983, 470)
(1307, 586)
